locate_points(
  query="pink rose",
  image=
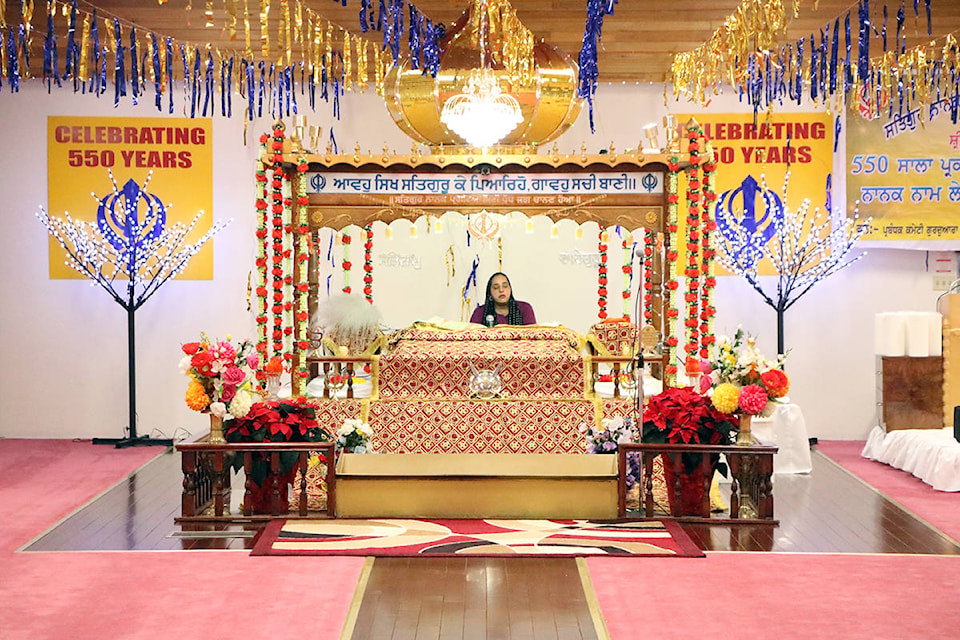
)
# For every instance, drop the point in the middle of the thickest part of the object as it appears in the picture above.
(253, 360)
(233, 375)
(229, 390)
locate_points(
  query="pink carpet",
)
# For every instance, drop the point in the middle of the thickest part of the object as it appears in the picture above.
(941, 509)
(783, 596)
(143, 595)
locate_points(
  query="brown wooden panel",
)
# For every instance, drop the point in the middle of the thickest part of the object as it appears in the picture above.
(912, 392)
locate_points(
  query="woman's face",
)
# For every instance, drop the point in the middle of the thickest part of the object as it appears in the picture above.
(500, 289)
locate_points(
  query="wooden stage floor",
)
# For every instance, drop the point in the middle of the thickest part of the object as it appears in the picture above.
(826, 511)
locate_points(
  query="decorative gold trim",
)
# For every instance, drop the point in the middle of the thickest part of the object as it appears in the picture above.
(599, 625)
(470, 157)
(353, 612)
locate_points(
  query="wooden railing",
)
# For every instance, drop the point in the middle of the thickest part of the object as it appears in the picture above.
(621, 365)
(344, 367)
(206, 479)
(751, 488)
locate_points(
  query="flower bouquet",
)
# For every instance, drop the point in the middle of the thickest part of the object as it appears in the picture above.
(220, 376)
(607, 437)
(745, 384)
(680, 415)
(354, 437)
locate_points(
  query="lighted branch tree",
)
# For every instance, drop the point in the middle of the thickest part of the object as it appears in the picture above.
(803, 248)
(130, 253)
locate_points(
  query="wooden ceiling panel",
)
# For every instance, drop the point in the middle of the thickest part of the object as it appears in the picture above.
(639, 38)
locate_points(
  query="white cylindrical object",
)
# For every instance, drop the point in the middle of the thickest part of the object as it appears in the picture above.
(891, 336)
(935, 327)
(918, 334)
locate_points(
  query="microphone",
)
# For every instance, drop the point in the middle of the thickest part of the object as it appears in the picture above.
(489, 320)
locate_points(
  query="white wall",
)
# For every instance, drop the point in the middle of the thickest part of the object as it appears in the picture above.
(64, 342)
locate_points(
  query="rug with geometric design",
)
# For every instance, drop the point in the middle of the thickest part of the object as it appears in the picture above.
(403, 537)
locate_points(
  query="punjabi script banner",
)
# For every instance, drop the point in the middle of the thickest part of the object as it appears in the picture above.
(172, 156)
(906, 174)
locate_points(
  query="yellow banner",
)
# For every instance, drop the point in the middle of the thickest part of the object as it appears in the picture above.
(173, 157)
(906, 175)
(753, 154)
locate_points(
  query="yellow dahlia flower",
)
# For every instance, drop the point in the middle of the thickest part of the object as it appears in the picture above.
(197, 398)
(725, 397)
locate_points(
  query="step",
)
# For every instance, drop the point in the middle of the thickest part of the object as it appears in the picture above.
(470, 485)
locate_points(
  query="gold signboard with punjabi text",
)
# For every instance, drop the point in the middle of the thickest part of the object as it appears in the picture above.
(906, 175)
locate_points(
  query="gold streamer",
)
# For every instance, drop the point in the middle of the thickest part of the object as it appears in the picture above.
(500, 253)
(377, 70)
(246, 30)
(231, 19)
(298, 27)
(451, 263)
(361, 49)
(208, 14)
(347, 71)
(264, 33)
(84, 49)
(285, 30)
(3, 15)
(328, 56)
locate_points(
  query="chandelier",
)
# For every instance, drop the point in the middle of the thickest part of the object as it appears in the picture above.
(482, 114)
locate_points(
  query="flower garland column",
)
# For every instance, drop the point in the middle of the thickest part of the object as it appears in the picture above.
(627, 245)
(301, 272)
(649, 247)
(368, 263)
(671, 312)
(278, 208)
(707, 310)
(692, 271)
(345, 263)
(261, 262)
(602, 274)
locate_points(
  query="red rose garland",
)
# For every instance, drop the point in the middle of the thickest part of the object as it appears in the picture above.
(277, 235)
(627, 245)
(692, 271)
(368, 263)
(302, 235)
(649, 246)
(602, 275)
(707, 310)
(262, 252)
(345, 263)
(672, 312)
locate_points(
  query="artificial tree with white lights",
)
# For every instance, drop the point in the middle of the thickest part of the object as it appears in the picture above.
(130, 259)
(803, 249)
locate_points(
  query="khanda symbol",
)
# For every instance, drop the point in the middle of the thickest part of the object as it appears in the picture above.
(118, 220)
(746, 214)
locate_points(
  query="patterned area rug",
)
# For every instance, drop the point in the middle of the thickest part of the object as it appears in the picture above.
(555, 538)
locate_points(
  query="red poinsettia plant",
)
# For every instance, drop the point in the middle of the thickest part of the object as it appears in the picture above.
(291, 420)
(680, 415)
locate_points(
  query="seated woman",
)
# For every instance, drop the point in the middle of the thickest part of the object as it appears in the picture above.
(500, 307)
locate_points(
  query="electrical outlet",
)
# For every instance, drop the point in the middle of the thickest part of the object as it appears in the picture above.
(942, 281)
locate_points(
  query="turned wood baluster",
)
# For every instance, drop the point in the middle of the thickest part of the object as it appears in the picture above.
(648, 503)
(188, 497)
(218, 483)
(248, 483)
(331, 481)
(349, 370)
(616, 379)
(707, 470)
(275, 483)
(765, 493)
(326, 379)
(734, 461)
(303, 482)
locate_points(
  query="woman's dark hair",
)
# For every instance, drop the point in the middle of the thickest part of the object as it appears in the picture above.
(489, 309)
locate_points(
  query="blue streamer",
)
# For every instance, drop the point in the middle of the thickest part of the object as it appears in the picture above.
(333, 141)
(292, 93)
(170, 74)
(251, 88)
(929, 24)
(134, 71)
(828, 202)
(813, 68)
(223, 88)
(263, 71)
(596, 11)
(208, 85)
(96, 55)
(381, 20)
(195, 83)
(119, 77)
(883, 29)
(24, 49)
(836, 133)
(799, 81)
(471, 277)
(863, 57)
(51, 65)
(157, 74)
(847, 69)
(72, 55)
(229, 90)
(330, 249)
(834, 51)
(364, 7)
(328, 285)
(13, 73)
